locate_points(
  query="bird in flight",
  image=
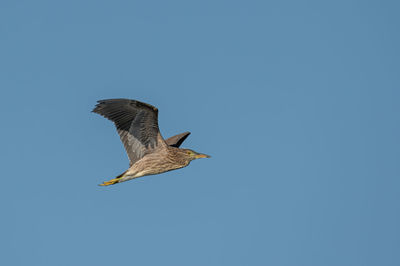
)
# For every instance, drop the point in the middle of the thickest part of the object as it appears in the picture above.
(148, 152)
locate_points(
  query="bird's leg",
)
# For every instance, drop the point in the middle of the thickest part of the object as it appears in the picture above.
(113, 181)
(110, 182)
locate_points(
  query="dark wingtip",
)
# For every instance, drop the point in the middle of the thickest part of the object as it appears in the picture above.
(177, 140)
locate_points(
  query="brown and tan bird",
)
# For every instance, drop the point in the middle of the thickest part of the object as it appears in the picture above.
(148, 152)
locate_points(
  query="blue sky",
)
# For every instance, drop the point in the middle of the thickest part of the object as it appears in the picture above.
(296, 101)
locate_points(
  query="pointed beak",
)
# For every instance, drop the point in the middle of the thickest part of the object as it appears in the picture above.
(198, 156)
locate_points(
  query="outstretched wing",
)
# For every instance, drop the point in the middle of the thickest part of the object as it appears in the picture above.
(177, 140)
(136, 123)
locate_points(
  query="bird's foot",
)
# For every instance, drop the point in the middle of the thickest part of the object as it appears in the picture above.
(110, 182)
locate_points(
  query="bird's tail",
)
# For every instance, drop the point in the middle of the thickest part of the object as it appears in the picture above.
(113, 181)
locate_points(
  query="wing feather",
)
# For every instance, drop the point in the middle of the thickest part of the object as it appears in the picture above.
(136, 123)
(176, 141)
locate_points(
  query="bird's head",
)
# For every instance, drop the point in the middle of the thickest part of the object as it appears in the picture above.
(192, 155)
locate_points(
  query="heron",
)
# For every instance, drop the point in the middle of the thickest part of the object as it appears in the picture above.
(149, 154)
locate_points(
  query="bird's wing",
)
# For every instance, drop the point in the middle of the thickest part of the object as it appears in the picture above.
(136, 123)
(177, 140)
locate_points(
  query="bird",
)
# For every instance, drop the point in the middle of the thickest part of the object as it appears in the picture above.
(149, 154)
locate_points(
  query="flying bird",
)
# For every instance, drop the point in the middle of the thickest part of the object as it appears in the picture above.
(148, 152)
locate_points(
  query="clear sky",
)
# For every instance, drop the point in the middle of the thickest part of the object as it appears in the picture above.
(296, 101)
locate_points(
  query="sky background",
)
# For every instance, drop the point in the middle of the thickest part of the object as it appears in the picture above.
(296, 101)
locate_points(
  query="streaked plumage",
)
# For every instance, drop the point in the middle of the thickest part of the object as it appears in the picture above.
(148, 152)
